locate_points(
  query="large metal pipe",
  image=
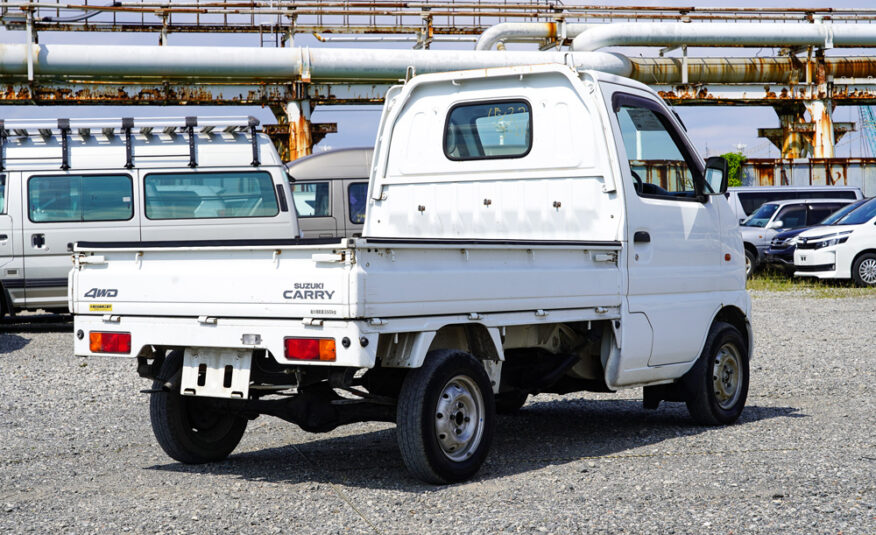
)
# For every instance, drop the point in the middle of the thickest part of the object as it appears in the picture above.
(528, 32)
(770, 70)
(247, 63)
(726, 35)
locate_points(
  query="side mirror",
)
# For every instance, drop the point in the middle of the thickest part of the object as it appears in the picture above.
(717, 174)
(776, 224)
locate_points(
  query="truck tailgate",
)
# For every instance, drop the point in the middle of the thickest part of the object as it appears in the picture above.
(261, 281)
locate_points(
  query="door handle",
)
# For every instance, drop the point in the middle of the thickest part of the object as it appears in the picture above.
(641, 237)
(3, 236)
(38, 240)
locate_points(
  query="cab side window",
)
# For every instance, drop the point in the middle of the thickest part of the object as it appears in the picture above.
(62, 198)
(660, 163)
(2, 194)
(312, 199)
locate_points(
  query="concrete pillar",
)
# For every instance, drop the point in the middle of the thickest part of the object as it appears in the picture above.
(823, 142)
(793, 143)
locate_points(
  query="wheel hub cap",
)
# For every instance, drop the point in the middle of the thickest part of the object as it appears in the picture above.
(459, 418)
(867, 271)
(726, 376)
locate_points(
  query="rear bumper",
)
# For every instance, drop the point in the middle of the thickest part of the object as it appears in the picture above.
(359, 351)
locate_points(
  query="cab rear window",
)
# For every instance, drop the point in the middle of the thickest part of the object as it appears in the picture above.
(210, 195)
(61, 198)
(488, 130)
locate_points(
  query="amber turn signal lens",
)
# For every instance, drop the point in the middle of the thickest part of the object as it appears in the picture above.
(100, 342)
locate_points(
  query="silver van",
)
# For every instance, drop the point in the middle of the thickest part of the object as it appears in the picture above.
(744, 200)
(180, 179)
(330, 190)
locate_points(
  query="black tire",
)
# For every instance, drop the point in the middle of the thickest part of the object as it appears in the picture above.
(750, 263)
(717, 385)
(864, 270)
(448, 381)
(187, 428)
(510, 402)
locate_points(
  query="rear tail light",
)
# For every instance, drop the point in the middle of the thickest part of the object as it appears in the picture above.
(109, 342)
(310, 349)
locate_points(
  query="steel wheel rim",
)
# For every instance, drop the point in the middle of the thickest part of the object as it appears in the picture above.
(747, 265)
(459, 418)
(867, 271)
(727, 376)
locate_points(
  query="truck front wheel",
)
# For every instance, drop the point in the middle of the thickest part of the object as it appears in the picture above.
(717, 385)
(446, 416)
(187, 428)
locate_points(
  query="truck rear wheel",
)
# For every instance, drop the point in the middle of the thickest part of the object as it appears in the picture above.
(717, 385)
(187, 428)
(446, 417)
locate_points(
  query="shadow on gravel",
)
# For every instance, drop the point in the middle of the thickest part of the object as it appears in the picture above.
(540, 435)
(12, 342)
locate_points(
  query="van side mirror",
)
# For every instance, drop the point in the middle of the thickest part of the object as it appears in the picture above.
(717, 174)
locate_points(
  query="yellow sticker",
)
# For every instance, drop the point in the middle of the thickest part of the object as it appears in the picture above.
(100, 308)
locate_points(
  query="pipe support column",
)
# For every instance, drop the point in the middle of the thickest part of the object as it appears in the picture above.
(298, 118)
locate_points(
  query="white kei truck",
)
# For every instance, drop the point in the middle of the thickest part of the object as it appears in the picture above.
(511, 246)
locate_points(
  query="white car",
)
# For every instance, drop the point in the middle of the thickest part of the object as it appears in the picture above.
(846, 249)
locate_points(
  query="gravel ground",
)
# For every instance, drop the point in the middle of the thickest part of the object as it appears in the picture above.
(77, 453)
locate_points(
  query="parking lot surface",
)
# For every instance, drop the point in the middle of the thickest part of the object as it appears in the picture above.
(77, 453)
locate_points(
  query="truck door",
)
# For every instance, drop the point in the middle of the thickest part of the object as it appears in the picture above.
(314, 204)
(61, 209)
(674, 253)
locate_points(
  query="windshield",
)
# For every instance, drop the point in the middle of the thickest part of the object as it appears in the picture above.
(862, 214)
(841, 213)
(760, 217)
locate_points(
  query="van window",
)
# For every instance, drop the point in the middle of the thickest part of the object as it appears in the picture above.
(61, 198)
(2, 194)
(488, 130)
(312, 199)
(357, 195)
(210, 195)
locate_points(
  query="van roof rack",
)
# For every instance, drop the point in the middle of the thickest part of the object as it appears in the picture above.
(126, 126)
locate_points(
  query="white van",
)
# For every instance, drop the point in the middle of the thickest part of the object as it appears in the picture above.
(744, 200)
(129, 180)
(330, 190)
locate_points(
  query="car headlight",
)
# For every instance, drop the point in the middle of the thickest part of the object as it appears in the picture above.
(830, 241)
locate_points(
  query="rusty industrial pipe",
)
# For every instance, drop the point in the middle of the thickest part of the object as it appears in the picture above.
(266, 64)
(726, 35)
(774, 70)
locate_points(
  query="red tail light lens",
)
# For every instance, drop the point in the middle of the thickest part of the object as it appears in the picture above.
(310, 349)
(109, 342)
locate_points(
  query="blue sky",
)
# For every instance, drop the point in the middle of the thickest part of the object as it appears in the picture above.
(714, 129)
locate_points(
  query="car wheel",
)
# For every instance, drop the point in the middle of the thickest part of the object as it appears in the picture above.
(864, 270)
(188, 428)
(750, 262)
(717, 386)
(445, 418)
